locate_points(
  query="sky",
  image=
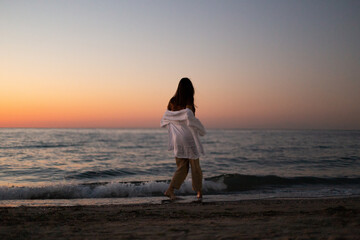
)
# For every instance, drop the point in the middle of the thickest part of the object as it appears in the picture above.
(279, 64)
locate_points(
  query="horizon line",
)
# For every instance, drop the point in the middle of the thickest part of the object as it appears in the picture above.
(210, 128)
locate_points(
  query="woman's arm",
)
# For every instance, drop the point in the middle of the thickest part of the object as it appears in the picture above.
(195, 123)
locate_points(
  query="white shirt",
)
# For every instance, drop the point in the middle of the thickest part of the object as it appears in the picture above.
(184, 130)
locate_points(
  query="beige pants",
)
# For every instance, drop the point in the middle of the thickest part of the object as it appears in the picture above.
(182, 171)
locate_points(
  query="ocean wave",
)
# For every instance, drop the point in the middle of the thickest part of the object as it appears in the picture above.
(240, 182)
(102, 174)
(101, 190)
(41, 146)
(226, 183)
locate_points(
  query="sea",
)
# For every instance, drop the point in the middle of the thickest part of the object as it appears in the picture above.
(67, 167)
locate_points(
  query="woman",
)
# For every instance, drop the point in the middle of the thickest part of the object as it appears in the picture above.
(184, 130)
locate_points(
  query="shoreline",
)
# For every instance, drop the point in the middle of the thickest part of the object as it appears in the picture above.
(154, 200)
(281, 218)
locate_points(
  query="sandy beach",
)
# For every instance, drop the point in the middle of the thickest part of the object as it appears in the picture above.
(335, 218)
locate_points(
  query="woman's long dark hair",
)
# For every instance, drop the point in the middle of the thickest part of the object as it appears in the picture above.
(184, 96)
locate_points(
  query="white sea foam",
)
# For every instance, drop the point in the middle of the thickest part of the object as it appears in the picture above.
(109, 190)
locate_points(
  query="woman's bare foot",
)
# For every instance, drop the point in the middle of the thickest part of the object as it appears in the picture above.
(170, 194)
(199, 195)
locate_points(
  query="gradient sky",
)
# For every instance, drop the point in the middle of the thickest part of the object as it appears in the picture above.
(254, 64)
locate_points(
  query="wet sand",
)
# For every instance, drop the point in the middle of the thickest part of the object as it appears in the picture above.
(248, 219)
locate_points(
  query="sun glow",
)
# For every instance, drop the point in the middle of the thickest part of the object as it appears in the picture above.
(117, 64)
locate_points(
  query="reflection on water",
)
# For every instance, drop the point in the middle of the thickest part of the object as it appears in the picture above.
(95, 155)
